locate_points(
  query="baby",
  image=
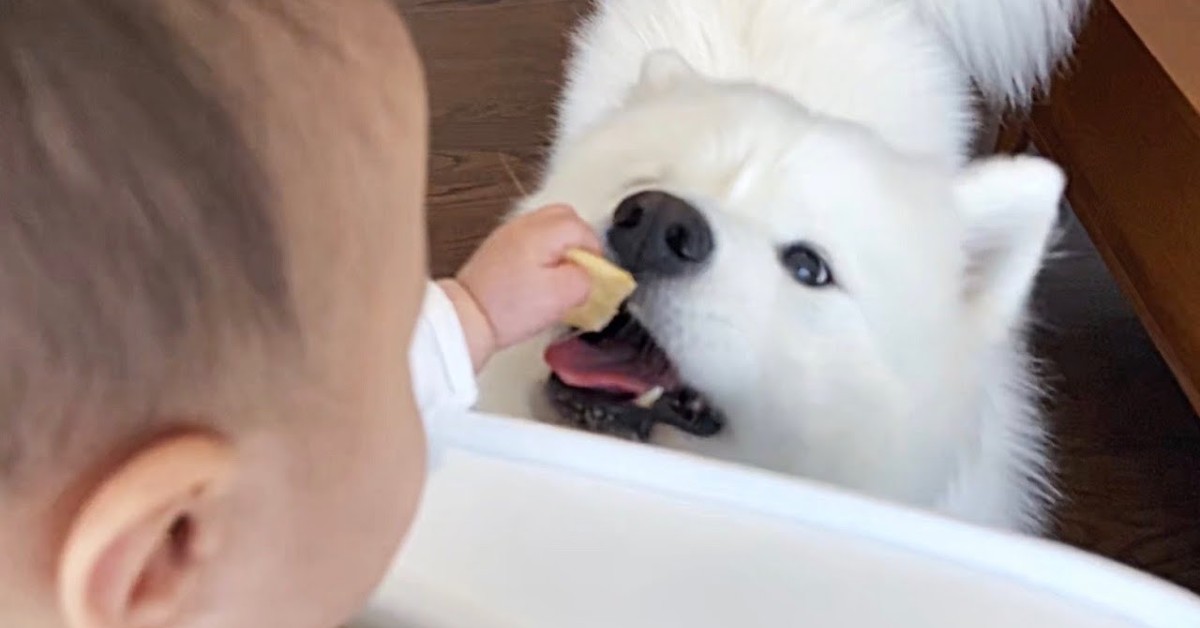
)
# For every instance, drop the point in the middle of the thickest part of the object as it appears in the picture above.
(212, 269)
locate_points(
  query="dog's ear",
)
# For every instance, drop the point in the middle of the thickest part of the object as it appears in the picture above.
(1010, 206)
(664, 69)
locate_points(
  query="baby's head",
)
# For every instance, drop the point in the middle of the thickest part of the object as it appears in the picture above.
(211, 258)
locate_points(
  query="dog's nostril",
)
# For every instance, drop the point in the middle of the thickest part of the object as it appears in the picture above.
(682, 245)
(629, 214)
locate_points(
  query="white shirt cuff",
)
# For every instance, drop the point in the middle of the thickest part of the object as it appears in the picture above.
(442, 372)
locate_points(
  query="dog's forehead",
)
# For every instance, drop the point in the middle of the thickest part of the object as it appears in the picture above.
(826, 179)
(765, 161)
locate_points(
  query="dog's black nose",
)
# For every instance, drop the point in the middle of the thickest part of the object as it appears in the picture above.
(658, 234)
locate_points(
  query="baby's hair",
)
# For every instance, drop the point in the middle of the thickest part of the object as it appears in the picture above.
(136, 229)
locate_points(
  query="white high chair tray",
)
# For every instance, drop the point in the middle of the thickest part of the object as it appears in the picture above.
(530, 526)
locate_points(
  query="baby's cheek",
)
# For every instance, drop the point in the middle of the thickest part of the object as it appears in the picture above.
(409, 459)
(389, 478)
(408, 481)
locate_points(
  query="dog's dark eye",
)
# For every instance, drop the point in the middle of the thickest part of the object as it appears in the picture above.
(806, 266)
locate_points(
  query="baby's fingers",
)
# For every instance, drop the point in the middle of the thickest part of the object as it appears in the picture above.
(560, 229)
(570, 286)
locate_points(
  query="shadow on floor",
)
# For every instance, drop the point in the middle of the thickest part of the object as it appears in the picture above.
(1129, 443)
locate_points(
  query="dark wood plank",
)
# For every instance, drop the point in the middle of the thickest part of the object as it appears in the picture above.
(471, 190)
(1168, 28)
(493, 68)
(1131, 141)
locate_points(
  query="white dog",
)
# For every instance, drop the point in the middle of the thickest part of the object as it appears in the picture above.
(831, 290)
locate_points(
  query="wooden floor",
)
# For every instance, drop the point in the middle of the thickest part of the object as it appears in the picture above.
(1129, 445)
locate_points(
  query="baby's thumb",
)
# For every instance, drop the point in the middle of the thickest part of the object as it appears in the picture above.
(570, 285)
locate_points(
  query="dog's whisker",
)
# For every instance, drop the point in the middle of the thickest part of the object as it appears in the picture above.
(512, 175)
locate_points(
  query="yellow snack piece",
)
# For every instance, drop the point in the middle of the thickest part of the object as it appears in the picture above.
(611, 285)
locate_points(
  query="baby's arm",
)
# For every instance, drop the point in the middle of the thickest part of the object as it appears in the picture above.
(518, 284)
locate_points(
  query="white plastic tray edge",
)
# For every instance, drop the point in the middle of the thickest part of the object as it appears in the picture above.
(1081, 577)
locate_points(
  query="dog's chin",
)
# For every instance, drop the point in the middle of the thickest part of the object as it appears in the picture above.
(619, 382)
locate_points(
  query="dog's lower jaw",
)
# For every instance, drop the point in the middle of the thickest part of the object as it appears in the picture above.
(749, 438)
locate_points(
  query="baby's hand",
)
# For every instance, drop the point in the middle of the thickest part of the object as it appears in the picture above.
(518, 284)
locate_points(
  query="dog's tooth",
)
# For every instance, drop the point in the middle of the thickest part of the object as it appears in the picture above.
(650, 397)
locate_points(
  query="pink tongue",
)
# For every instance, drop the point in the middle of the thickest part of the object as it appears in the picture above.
(611, 366)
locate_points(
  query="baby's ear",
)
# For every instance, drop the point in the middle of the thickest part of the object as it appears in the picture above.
(1009, 205)
(663, 70)
(135, 551)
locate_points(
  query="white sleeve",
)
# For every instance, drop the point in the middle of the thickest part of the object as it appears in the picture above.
(442, 372)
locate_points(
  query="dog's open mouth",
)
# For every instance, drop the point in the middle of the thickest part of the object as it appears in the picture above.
(619, 382)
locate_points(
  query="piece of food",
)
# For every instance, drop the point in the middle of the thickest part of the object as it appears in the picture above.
(611, 285)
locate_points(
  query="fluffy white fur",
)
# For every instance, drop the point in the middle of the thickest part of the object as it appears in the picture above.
(844, 124)
(1011, 47)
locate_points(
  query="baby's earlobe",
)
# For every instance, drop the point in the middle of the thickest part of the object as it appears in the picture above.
(134, 550)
